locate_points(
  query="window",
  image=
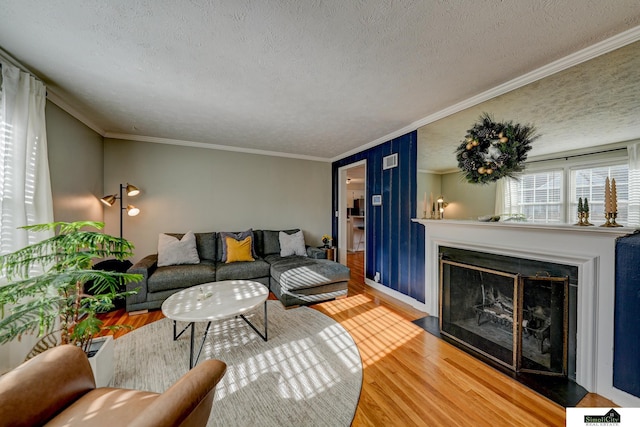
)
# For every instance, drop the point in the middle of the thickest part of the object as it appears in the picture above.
(589, 183)
(537, 196)
(551, 195)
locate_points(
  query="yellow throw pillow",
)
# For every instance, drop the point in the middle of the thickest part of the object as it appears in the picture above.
(238, 250)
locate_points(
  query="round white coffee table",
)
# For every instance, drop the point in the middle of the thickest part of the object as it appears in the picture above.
(214, 301)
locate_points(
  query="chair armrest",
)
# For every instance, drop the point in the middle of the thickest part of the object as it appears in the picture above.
(37, 390)
(317, 253)
(145, 267)
(187, 402)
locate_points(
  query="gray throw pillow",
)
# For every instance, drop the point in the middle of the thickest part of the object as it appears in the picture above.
(292, 244)
(239, 237)
(172, 251)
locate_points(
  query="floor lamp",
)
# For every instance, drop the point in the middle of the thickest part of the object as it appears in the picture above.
(131, 190)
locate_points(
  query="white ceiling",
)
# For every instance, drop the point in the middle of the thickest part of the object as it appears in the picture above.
(304, 78)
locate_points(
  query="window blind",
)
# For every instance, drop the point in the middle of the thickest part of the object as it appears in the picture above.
(538, 196)
(589, 183)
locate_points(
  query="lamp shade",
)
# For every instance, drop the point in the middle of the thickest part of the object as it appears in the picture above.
(132, 190)
(132, 210)
(109, 200)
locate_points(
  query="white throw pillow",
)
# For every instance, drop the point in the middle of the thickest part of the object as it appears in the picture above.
(292, 244)
(172, 251)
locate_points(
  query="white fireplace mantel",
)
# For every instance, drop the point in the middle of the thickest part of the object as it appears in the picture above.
(590, 249)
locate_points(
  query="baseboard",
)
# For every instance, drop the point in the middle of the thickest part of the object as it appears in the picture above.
(397, 295)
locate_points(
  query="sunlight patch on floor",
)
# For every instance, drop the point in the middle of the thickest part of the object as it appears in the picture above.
(299, 365)
(377, 331)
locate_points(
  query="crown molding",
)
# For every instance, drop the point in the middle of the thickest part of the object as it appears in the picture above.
(444, 172)
(56, 99)
(183, 143)
(605, 46)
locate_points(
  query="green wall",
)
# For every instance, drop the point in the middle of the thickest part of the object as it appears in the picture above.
(200, 189)
(467, 201)
(75, 166)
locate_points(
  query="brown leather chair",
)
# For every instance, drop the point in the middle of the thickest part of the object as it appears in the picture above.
(57, 388)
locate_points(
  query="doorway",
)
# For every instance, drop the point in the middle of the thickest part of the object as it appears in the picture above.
(352, 211)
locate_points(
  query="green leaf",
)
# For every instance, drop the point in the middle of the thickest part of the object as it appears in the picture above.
(46, 282)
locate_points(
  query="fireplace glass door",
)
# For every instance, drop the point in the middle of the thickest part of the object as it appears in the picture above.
(542, 335)
(518, 321)
(477, 309)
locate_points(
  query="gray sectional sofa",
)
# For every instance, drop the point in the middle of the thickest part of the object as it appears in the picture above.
(295, 280)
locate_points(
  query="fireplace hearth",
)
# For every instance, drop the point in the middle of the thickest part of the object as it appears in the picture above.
(561, 390)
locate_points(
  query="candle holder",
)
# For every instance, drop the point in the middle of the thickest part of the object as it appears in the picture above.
(610, 218)
(579, 219)
(583, 213)
(583, 219)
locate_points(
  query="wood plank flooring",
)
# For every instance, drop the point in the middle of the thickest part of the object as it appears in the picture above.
(411, 378)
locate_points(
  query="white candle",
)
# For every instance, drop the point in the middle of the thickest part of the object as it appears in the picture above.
(424, 204)
(614, 196)
(607, 196)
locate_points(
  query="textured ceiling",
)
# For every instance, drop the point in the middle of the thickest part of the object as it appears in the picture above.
(309, 78)
(591, 104)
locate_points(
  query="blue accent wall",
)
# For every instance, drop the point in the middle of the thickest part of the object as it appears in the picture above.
(395, 244)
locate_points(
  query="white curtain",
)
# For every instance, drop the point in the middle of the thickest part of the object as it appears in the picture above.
(25, 186)
(506, 193)
(634, 185)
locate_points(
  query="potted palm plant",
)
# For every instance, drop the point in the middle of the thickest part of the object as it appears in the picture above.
(45, 293)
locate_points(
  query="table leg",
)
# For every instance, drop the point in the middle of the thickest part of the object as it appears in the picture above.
(193, 362)
(263, 336)
(175, 337)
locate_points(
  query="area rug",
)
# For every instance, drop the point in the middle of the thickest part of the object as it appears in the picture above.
(308, 373)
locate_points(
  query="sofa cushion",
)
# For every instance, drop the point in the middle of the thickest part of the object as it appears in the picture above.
(239, 236)
(258, 243)
(205, 243)
(174, 251)
(292, 244)
(271, 241)
(242, 270)
(297, 272)
(309, 295)
(181, 276)
(238, 250)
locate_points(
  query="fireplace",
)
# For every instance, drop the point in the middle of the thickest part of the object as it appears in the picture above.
(520, 313)
(518, 321)
(585, 254)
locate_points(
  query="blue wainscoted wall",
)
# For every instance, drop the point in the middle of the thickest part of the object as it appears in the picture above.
(395, 244)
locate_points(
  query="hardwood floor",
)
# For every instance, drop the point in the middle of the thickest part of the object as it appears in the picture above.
(411, 377)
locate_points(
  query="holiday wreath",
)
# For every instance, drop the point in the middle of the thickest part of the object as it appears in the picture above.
(494, 150)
